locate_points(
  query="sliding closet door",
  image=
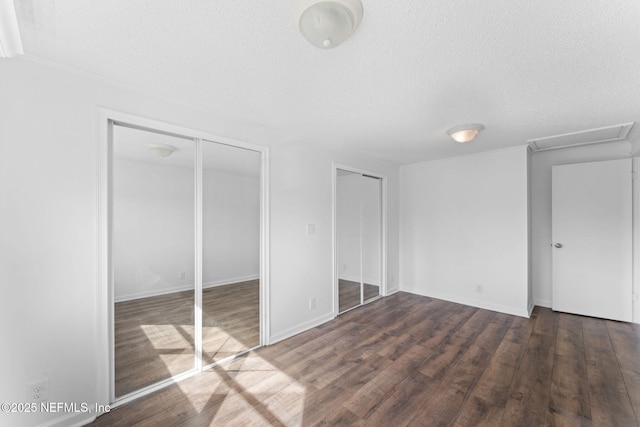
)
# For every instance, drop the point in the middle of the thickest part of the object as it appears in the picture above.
(231, 251)
(358, 238)
(371, 220)
(348, 239)
(152, 250)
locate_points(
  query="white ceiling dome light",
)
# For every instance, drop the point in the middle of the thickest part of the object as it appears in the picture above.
(326, 24)
(465, 133)
(162, 150)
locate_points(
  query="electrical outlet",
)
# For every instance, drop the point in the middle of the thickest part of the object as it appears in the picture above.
(39, 391)
(312, 303)
(479, 289)
(182, 275)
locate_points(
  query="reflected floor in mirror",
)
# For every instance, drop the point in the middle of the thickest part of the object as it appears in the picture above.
(154, 336)
(230, 320)
(153, 340)
(349, 293)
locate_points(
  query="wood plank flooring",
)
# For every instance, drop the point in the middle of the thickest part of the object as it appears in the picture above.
(408, 360)
(154, 336)
(349, 293)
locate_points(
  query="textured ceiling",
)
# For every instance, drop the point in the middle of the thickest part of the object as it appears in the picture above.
(412, 70)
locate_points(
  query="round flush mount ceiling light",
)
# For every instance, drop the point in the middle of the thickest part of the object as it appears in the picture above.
(162, 150)
(465, 133)
(326, 24)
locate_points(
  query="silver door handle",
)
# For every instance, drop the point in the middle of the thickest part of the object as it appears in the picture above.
(558, 245)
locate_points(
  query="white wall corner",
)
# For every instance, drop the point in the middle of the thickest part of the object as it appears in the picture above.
(542, 302)
(530, 308)
(393, 291)
(10, 42)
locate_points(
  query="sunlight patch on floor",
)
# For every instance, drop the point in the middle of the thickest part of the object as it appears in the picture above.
(166, 337)
(248, 387)
(219, 340)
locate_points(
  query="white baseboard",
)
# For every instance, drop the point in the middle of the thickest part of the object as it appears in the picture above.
(288, 333)
(542, 303)
(349, 278)
(158, 292)
(152, 293)
(231, 281)
(523, 312)
(392, 291)
(530, 308)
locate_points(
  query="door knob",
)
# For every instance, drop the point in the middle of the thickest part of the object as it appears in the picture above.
(558, 245)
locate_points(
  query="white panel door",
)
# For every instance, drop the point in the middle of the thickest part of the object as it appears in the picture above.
(592, 239)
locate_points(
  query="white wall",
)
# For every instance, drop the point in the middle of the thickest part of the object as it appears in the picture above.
(303, 177)
(49, 214)
(231, 228)
(463, 223)
(154, 228)
(541, 163)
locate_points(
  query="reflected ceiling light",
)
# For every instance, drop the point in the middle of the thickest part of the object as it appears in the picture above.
(162, 150)
(465, 133)
(10, 43)
(326, 24)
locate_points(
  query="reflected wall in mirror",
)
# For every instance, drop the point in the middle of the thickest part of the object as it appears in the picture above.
(231, 251)
(358, 238)
(371, 236)
(152, 257)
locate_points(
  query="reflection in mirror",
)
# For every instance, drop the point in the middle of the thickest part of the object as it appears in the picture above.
(152, 257)
(231, 251)
(348, 229)
(371, 236)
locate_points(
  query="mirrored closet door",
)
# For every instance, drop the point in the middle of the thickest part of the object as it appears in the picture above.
(358, 238)
(185, 255)
(231, 251)
(371, 237)
(153, 229)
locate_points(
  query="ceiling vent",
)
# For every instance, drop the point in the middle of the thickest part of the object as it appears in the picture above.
(583, 137)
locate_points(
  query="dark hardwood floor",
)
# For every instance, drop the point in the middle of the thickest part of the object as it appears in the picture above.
(154, 336)
(412, 360)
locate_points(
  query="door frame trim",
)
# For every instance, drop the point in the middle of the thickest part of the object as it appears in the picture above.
(105, 296)
(334, 234)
